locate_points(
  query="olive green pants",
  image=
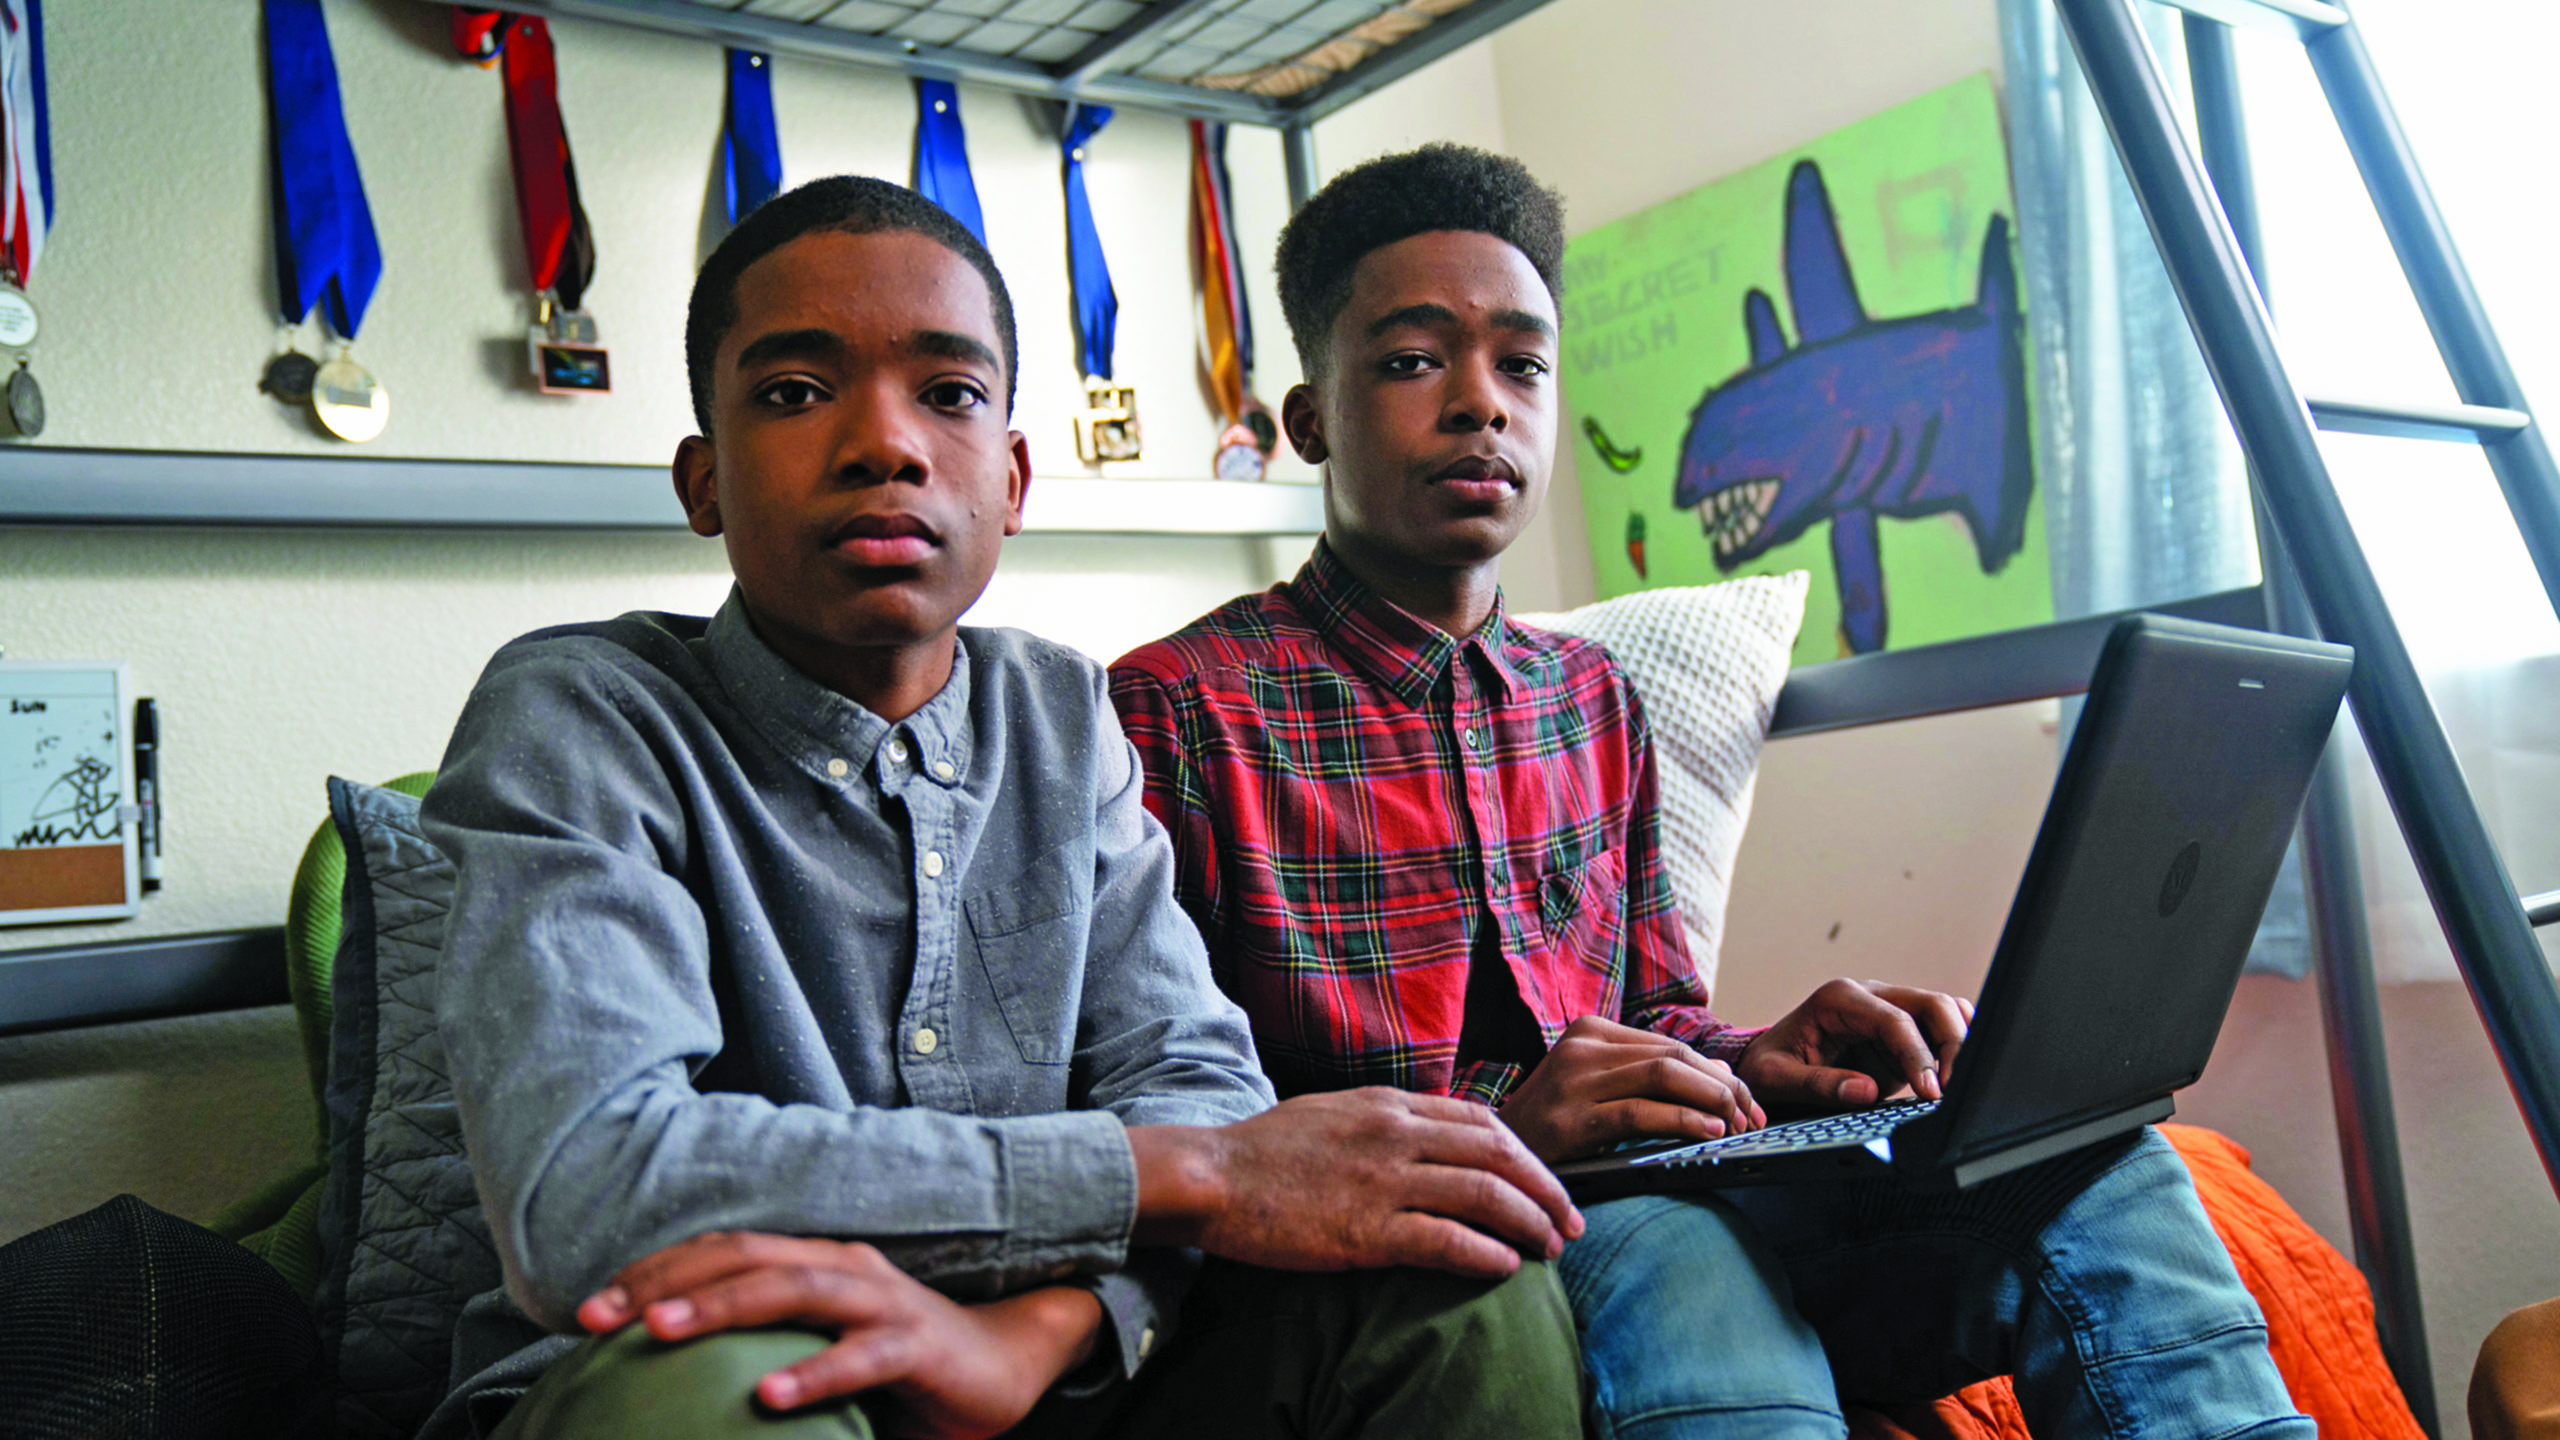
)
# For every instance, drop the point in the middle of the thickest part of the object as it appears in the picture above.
(1262, 1353)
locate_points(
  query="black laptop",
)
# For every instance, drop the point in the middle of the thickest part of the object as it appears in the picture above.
(2157, 853)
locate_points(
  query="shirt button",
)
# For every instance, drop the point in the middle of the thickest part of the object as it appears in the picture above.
(838, 769)
(1467, 738)
(898, 751)
(1146, 1341)
(926, 1040)
(943, 769)
(932, 870)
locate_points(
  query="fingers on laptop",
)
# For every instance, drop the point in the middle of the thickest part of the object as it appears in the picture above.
(1640, 1065)
(1605, 1083)
(1894, 1034)
(1942, 1020)
(1893, 1028)
(1850, 1043)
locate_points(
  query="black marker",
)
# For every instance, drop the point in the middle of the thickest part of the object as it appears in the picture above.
(146, 769)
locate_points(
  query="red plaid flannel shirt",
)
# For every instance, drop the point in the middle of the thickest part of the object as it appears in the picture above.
(1354, 795)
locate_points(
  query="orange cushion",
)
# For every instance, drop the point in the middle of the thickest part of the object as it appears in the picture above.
(2319, 1319)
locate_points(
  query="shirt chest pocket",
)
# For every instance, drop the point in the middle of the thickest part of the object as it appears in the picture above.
(1584, 907)
(1029, 935)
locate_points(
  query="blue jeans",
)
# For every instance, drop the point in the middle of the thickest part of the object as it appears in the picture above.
(2094, 1278)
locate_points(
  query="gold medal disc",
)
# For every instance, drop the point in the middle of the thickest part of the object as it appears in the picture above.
(349, 402)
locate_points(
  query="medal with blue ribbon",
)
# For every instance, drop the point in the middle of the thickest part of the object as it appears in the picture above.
(750, 147)
(942, 155)
(1107, 428)
(327, 255)
(26, 200)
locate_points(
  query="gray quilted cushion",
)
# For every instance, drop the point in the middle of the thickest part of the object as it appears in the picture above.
(401, 1239)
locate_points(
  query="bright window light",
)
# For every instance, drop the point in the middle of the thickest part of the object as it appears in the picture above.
(2470, 81)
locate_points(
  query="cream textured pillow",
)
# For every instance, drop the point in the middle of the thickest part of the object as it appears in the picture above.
(1708, 661)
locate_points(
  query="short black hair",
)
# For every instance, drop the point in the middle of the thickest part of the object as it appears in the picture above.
(846, 204)
(1396, 197)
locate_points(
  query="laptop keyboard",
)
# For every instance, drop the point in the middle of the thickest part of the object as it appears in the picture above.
(1856, 1127)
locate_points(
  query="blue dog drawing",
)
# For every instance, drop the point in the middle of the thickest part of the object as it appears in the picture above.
(1906, 417)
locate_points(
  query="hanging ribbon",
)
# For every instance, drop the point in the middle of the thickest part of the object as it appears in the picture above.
(750, 146)
(1097, 304)
(559, 247)
(1214, 261)
(942, 155)
(478, 35)
(1226, 195)
(26, 139)
(326, 250)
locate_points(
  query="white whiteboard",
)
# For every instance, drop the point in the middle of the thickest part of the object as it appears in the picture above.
(68, 836)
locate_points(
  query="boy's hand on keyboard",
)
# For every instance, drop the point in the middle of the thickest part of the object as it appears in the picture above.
(1605, 1083)
(1854, 1043)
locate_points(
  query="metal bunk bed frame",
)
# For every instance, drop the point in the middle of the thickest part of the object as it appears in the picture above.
(2202, 214)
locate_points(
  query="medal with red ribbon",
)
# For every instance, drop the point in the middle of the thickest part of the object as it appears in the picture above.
(559, 247)
(327, 255)
(26, 208)
(1226, 322)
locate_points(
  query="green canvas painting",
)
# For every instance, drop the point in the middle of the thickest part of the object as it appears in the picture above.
(1819, 364)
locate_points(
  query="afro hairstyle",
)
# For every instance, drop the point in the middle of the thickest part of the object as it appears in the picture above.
(1395, 197)
(843, 204)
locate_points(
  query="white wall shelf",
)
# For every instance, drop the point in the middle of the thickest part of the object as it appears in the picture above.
(40, 486)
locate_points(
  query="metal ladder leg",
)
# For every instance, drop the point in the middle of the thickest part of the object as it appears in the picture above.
(2350, 1008)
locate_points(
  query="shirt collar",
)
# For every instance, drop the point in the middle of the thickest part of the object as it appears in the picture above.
(1389, 644)
(815, 725)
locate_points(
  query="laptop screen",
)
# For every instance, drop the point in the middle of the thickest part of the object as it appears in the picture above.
(2167, 825)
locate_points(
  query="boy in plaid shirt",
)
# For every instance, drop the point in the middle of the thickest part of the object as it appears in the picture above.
(1422, 845)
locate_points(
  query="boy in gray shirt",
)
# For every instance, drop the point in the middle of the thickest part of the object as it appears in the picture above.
(821, 1021)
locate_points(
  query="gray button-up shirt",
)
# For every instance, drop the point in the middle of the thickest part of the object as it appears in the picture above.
(729, 952)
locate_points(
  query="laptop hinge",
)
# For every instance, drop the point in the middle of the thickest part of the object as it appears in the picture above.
(1966, 1174)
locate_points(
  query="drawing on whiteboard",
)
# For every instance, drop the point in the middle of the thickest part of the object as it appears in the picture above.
(67, 817)
(59, 781)
(77, 806)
